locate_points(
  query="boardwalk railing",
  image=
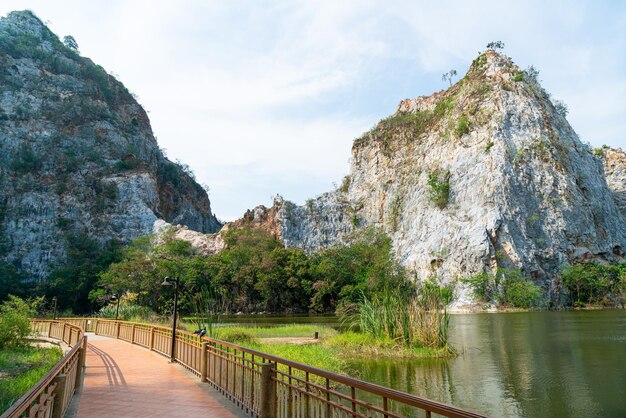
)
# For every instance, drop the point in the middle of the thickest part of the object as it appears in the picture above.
(51, 396)
(267, 386)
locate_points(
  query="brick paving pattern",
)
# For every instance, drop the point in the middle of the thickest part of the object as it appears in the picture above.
(124, 380)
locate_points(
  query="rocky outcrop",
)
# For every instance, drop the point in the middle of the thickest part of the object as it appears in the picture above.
(77, 155)
(615, 171)
(485, 175)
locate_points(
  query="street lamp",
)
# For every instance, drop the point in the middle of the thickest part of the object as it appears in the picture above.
(167, 282)
(54, 315)
(117, 309)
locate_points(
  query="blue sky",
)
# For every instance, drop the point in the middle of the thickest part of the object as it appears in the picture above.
(261, 98)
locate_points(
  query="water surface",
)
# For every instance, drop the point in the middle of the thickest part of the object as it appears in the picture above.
(531, 364)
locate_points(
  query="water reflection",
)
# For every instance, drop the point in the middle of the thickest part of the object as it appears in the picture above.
(522, 365)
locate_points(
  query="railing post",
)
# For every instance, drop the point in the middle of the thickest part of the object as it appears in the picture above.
(203, 358)
(59, 396)
(117, 330)
(268, 391)
(80, 368)
(151, 338)
(132, 334)
(50, 329)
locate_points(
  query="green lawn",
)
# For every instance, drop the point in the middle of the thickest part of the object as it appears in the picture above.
(21, 368)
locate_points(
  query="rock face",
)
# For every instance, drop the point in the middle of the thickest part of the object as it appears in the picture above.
(77, 155)
(615, 172)
(487, 174)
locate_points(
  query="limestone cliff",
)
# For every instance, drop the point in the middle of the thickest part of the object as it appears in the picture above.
(615, 172)
(77, 155)
(487, 174)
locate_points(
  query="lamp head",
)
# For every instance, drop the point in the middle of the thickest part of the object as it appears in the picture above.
(167, 282)
(113, 297)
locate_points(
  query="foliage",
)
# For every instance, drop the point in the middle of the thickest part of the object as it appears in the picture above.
(86, 258)
(488, 146)
(495, 45)
(507, 287)
(517, 291)
(439, 188)
(25, 160)
(532, 74)
(561, 108)
(127, 312)
(205, 306)
(245, 275)
(415, 318)
(70, 42)
(598, 152)
(462, 126)
(444, 106)
(596, 283)
(21, 368)
(345, 184)
(448, 76)
(15, 314)
(519, 76)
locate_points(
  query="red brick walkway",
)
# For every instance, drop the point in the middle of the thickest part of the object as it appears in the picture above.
(124, 380)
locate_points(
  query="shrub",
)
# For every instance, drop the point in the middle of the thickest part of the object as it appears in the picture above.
(345, 184)
(483, 286)
(519, 76)
(561, 108)
(235, 335)
(462, 126)
(444, 107)
(507, 287)
(517, 291)
(439, 188)
(15, 314)
(598, 152)
(595, 283)
(488, 146)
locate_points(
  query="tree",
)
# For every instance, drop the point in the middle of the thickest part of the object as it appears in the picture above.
(496, 45)
(532, 74)
(70, 42)
(448, 76)
(561, 108)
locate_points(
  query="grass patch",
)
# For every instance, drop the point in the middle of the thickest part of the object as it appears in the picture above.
(21, 368)
(272, 332)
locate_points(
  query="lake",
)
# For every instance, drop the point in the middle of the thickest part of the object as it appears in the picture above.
(530, 364)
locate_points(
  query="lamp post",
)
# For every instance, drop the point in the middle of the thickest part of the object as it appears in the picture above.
(54, 315)
(168, 282)
(117, 308)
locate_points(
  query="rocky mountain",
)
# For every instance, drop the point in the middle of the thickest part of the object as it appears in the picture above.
(485, 175)
(77, 155)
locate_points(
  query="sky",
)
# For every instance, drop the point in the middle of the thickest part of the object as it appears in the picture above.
(265, 97)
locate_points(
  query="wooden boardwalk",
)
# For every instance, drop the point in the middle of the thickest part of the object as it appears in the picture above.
(124, 380)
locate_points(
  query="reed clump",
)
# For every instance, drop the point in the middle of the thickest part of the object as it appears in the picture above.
(415, 318)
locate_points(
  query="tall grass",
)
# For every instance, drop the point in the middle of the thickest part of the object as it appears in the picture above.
(415, 319)
(129, 312)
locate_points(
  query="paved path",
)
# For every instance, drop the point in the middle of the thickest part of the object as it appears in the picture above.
(124, 380)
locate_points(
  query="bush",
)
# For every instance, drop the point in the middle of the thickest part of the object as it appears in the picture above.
(462, 126)
(507, 287)
(595, 283)
(127, 312)
(439, 188)
(519, 76)
(15, 314)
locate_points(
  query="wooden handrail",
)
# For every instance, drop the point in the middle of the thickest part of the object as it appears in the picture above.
(44, 399)
(190, 351)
